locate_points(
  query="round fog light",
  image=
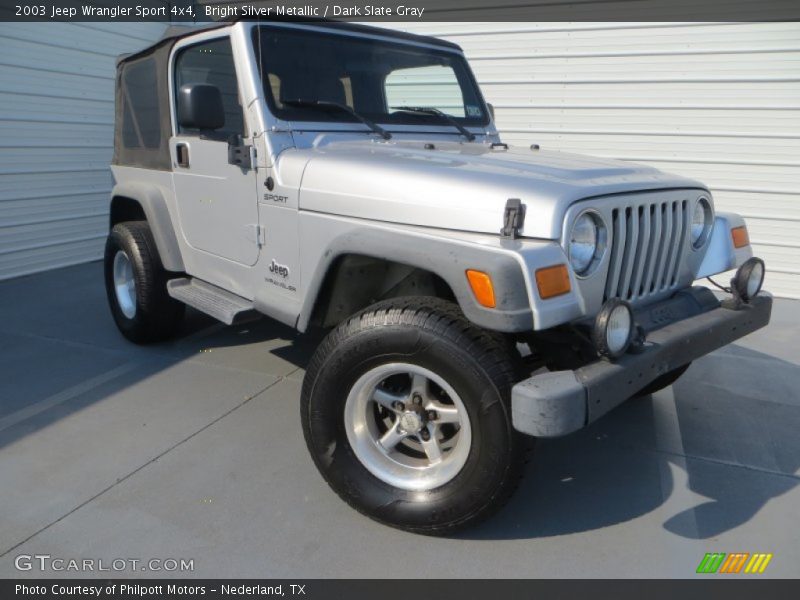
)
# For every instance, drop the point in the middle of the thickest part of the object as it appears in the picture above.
(748, 279)
(613, 328)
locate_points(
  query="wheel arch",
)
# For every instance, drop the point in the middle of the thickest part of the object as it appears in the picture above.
(354, 281)
(134, 201)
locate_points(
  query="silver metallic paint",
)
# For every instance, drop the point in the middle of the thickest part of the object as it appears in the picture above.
(437, 209)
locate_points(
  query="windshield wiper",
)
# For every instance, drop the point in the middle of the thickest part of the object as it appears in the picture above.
(442, 115)
(326, 105)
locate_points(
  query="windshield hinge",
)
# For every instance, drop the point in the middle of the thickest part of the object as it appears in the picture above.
(513, 218)
(239, 153)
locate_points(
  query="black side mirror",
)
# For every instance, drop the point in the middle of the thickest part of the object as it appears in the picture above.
(200, 107)
(491, 109)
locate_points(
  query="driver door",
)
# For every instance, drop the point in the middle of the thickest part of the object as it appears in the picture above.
(217, 201)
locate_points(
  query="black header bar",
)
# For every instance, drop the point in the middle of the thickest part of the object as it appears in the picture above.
(188, 11)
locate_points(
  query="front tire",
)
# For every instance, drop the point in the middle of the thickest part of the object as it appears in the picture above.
(662, 381)
(136, 285)
(406, 413)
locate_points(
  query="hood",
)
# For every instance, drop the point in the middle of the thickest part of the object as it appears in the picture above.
(461, 186)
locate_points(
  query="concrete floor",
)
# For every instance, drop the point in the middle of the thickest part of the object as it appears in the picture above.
(193, 449)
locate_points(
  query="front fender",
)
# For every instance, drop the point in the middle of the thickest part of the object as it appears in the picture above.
(721, 256)
(448, 254)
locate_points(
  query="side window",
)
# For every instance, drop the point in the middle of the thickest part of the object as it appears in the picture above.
(141, 123)
(212, 63)
(434, 86)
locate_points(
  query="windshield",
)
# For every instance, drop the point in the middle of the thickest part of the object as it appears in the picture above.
(374, 78)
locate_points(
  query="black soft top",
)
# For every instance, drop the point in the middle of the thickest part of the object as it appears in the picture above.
(142, 125)
(177, 32)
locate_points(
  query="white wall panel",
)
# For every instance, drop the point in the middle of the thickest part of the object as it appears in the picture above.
(719, 102)
(56, 135)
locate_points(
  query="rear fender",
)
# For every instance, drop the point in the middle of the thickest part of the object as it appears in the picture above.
(153, 203)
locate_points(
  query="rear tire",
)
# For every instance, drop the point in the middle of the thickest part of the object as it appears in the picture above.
(136, 285)
(406, 413)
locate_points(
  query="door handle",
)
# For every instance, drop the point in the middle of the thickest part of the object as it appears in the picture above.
(182, 155)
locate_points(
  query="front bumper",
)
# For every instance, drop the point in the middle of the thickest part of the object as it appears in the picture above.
(560, 402)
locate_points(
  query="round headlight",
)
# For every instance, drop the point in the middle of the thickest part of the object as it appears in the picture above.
(748, 279)
(613, 328)
(586, 243)
(701, 222)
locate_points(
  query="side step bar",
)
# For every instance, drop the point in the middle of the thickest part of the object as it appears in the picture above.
(212, 300)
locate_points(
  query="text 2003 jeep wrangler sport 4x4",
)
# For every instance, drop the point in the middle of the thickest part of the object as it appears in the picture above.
(351, 178)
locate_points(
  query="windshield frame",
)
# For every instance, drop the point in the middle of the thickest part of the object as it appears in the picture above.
(341, 121)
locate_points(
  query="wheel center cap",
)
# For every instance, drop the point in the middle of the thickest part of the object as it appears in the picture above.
(411, 422)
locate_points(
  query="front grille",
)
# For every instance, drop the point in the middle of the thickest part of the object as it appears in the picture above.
(647, 245)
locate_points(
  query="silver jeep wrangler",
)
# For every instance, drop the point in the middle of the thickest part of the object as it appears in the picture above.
(475, 296)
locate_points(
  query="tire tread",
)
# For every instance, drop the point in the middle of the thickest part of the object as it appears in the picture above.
(446, 320)
(159, 314)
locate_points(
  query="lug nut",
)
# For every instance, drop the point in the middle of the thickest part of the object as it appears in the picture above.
(399, 406)
(425, 434)
(432, 416)
(417, 399)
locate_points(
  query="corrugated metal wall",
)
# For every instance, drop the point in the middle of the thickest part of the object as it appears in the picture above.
(56, 133)
(719, 102)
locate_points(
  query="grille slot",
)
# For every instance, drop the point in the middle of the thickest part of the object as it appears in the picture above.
(648, 242)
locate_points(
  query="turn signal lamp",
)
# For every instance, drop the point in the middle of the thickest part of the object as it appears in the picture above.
(740, 237)
(482, 287)
(552, 281)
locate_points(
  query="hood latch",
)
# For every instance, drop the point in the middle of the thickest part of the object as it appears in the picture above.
(513, 218)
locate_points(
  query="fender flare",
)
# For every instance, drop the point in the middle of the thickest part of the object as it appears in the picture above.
(513, 312)
(154, 205)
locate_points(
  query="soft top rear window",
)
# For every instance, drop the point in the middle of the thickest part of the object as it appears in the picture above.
(141, 125)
